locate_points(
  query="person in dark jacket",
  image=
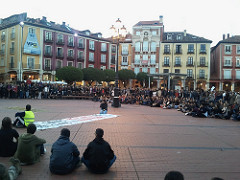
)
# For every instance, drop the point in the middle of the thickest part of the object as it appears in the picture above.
(99, 156)
(8, 138)
(104, 107)
(65, 155)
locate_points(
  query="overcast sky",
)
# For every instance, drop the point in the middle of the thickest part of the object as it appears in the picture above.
(205, 18)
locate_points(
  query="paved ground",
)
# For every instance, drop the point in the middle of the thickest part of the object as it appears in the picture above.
(148, 142)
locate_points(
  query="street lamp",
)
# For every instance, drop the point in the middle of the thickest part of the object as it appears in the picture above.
(118, 34)
(21, 63)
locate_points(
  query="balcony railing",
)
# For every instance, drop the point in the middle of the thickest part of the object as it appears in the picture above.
(47, 68)
(13, 35)
(11, 50)
(11, 66)
(190, 51)
(3, 37)
(190, 64)
(202, 51)
(59, 56)
(2, 53)
(166, 64)
(81, 58)
(203, 64)
(70, 56)
(178, 51)
(190, 76)
(81, 46)
(70, 44)
(177, 65)
(166, 52)
(202, 76)
(60, 42)
(34, 66)
(47, 40)
(47, 54)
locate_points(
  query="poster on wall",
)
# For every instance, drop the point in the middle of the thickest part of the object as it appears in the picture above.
(31, 45)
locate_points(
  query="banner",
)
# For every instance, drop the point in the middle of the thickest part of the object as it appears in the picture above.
(31, 45)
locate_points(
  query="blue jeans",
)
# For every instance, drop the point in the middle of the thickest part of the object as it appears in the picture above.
(103, 111)
(87, 163)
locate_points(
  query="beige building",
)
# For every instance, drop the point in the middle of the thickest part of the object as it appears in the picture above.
(184, 61)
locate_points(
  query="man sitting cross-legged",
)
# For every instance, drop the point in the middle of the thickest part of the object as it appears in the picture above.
(65, 155)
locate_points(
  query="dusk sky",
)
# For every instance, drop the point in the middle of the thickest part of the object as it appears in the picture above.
(206, 18)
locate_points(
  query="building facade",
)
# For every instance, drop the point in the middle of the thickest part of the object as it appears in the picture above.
(225, 64)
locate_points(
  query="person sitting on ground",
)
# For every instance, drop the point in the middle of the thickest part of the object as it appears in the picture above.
(12, 172)
(174, 175)
(23, 119)
(99, 156)
(65, 154)
(30, 147)
(8, 138)
(104, 107)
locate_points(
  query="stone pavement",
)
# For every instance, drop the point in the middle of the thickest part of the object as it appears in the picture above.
(147, 141)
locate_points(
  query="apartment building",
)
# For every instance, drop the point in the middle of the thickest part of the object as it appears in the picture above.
(225, 64)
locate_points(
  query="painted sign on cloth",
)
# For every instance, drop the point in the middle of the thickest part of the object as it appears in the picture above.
(31, 45)
(41, 125)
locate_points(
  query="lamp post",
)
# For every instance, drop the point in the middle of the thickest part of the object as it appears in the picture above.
(21, 63)
(118, 34)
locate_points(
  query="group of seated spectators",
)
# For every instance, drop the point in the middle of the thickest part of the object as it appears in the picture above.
(197, 103)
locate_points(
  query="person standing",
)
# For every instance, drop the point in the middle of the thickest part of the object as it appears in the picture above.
(23, 119)
(99, 156)
(65, 154)
(30, 147)
(8, 138)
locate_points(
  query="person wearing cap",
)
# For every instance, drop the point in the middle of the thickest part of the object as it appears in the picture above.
(65, 154)
(30, 147)
(23, 119)
(99, 156)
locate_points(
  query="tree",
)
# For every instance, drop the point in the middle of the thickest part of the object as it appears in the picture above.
(142, 77)
(109, 75)
(92, 74)
(126, 74)
(69, 74)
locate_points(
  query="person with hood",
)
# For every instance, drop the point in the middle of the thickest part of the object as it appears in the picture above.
(30, 147)
(65, 154)
(23, 119)
(8, 138)
(99, 156)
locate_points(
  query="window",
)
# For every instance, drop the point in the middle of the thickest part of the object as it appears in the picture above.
(103, 47)
(145, 69)
(31, 30)
(138, 33)
(202, 61)
(178, 49)
(13, 33)
(30, 62)
(166, 61)
(137, 46)
(201, 73)
(152, 70)
(165, 70)
(179, 37)
(154, 33)
(137, 59)
(167, 49)
(60, 38)
(80, 65)
(48, 50)
(136, 70)
(169, 37)
(113, 59)
(69, 63)
(59, 52)
(48, 36)
(80, 43)
(191, 48)
(153, 46)
(177, 71)
(190, 61)
(145, 46)
(227, 74)
(47, 63)
(91, 45)
(228, 49)
(189, 73)
(59, 64)
(113, 49)
(238, 61)
(145, 57)
(237, 74)
(70, 53)
(91, 56)
(80, 55)
(227, 61)
(70, 41)
(103, 58)
(153, 59)
(11, 62)
(124, 49)
(2, 61)
(203, 48)
(178, 61)
(238, 49)
(125, 60)
(91, 65)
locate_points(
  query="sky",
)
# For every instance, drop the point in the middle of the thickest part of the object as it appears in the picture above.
(206, 18)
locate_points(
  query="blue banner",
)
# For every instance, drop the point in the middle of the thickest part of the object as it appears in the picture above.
(31, 45)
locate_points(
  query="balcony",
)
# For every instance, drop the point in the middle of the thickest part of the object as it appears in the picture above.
(178, 51)
(59, 56)
(48, 40)
(124, 63)
(203, 64)
(13, 35)
(12, 51)
(70, 57)
(124, 52)
(48, 54)
(34, 66)
(190, 76)
(47, 68)
(190, 51)
(2, 53)
(3, 37)
(166, 52)
(202, 76)
(203, 51)
(70, 44)
(12, 66)
(60, 42)
(81, 45)
(227, 65)
(166, 64)
(80, 58)
(190, 64)
(177, 65)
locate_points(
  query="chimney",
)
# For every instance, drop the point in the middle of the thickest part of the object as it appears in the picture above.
(53, 23)
(228, 35)
(223, 36)
(161, 19)
(63, 23)
(185, 32)
(44, 18)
